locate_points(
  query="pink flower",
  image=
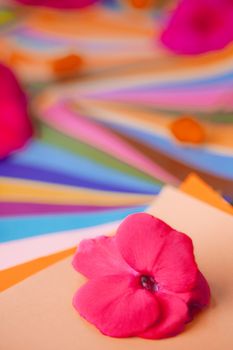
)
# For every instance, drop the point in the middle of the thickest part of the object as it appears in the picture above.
(198, 26)
(15, 127)
(142, 282)
(59, 4)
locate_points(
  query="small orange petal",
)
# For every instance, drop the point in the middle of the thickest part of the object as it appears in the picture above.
(188, 129)
(67, 65)
(141, 4)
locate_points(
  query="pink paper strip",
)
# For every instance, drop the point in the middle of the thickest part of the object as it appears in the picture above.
(200, 99)
(90, 132)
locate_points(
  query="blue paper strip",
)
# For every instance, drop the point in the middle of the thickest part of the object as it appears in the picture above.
(200, 158)
(30, 226)
(8, 169)
(80, 167)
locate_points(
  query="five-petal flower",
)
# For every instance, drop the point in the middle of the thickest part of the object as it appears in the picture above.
(143, 282)
(199, 26)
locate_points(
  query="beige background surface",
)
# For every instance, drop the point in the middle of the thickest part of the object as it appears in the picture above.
(37, 314)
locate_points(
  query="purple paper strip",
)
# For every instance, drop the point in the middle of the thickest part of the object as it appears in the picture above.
(16, 209)
(9, 169)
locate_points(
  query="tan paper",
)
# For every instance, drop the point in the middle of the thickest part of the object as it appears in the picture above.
(37, 314)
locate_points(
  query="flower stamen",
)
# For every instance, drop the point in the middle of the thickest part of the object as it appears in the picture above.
(149, 283)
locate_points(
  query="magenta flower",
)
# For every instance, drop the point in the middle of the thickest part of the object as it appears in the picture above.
(199, 26)
(15, 126)
(142, 282)
(59, 4)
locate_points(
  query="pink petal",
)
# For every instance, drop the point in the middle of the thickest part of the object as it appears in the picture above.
(116, 306)
(175, 268)
(200, 296)
(150, 246)
(140, 239)
(60, 4)
(100, 257)
(16, 127)
(173, 318)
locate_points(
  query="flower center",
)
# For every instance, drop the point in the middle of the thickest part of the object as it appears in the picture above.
(149, 283)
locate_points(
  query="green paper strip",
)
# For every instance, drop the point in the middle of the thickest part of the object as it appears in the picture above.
(53, 137)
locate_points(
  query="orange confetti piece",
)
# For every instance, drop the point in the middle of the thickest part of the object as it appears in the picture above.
(141, 4)
(67, 65)
(187, 129)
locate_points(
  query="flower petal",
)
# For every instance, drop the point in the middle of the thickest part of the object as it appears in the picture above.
(173, 318)
(16, 127)
(200, 296)
(149, 245)
(140, 238)
(175, 268)
(116, 306)
(100, 257)
(197, 298)
(61, 4)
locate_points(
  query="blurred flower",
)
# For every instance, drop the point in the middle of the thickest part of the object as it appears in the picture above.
(142, 282)
(15, 127)
(199, 26)
(59, 4)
